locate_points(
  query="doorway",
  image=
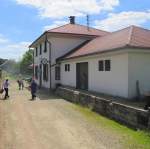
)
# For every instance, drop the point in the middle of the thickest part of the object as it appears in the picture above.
(82, 76)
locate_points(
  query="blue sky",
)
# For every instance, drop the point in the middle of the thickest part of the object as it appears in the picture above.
(22, 21)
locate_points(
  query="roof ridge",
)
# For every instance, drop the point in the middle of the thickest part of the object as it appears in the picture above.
(93, 28)
(58, 27)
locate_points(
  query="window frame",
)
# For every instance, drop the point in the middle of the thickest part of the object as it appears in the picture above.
(36, 72)
(45, 72)
(67, 67)
(57, 73)
(36, 51)
(45, 46)
(101, 65)
(40, 49)
(108, 65)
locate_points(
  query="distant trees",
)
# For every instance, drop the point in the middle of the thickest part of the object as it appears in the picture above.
(25, 62)
(2, 61)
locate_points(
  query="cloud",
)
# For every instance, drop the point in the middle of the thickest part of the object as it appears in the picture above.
(63, 8)
(12, 50)
(54, 25)
(116, 21)
(3, 39)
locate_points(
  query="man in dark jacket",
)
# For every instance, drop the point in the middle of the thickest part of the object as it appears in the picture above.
(33, 89)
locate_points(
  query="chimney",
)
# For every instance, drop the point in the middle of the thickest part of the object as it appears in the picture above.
(72, 19)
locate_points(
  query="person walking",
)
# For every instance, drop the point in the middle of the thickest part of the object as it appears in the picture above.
(19, 84)
(33, 89)
(5, 86)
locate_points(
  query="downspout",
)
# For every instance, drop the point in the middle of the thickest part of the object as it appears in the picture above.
(50, 73)
(33, 65)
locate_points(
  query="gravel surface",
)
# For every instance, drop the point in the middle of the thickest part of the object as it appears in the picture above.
(48, 123)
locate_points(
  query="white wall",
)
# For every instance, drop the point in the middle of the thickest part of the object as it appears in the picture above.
(139, 69)
(114, 82)
(59, 47)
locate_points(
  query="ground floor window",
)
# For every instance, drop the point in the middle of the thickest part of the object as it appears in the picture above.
(57, 73)
(104, 65)
(67, 67)
(45, 72)
(36, 72)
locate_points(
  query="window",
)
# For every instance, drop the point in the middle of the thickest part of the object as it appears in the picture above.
(107, 65)
(101, 65)
(45, 72)
(45, 46)
(36, 51)
(36, 72)
(40, 49)
(67, 67)
(104, 65)
(57, 73)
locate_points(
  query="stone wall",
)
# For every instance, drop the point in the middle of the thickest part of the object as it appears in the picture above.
(130, 116)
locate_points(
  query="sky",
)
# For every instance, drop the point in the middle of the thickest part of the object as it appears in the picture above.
(22, 21)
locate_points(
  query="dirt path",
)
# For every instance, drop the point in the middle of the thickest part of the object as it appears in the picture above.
(47, 124)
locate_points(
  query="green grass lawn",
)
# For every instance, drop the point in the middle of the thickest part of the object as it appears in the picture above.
(132, 139)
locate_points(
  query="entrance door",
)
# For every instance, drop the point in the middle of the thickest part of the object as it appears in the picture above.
(82, 75)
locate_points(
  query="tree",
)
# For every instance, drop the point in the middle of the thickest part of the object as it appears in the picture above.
(25, 62)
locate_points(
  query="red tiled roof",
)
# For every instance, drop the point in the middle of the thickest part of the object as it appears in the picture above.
(78, 29)
(131, 36)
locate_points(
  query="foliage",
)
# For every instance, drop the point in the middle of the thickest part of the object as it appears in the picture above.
(2, 61)
(25, 62)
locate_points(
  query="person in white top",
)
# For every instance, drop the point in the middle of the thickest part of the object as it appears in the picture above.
(5, 86)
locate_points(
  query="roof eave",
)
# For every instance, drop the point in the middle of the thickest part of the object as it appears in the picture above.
(101, 52)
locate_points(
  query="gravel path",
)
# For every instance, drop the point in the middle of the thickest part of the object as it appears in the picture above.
(48, 123)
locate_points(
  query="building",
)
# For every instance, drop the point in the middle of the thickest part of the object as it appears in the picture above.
(116, 63)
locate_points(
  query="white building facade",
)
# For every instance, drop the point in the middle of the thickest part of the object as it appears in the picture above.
(110, 63)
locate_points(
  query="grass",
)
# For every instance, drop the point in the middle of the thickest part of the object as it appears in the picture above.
(131, 139)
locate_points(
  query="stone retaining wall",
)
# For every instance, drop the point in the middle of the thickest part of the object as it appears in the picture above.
(130, 116)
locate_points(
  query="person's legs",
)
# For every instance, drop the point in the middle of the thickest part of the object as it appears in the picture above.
(6, 93)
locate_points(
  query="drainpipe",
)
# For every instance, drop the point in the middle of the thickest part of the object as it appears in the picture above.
(50, 74)
(32, 61)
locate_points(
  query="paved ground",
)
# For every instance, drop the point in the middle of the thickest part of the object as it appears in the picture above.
(48, 123)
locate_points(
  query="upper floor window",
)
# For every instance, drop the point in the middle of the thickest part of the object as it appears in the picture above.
(45, 46)
(36, 51)
(40, 49)
(104, 65)
(57, 73)
(67, 67)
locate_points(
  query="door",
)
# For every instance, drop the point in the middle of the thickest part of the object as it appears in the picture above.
(82, 75)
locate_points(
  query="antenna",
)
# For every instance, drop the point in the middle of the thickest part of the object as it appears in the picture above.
(88, 22)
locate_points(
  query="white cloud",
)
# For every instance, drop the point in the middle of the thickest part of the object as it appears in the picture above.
(117, 21)
(62, 8)
(12, 50)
